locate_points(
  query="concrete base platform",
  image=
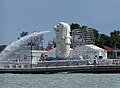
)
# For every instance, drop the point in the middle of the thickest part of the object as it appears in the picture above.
(69, 69)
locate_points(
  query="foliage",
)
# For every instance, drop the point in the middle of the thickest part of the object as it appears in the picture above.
(75, 26)
(115, 39)
(2, 47)
(23, 34)
(53, 43)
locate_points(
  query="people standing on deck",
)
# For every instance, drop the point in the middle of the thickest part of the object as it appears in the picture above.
(43, 57)
(95, 60)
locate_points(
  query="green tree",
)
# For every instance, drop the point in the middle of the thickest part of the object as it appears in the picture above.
(53, 43)
(101, 39)
(97, 37)
(75, 26)
(2, 47)
(115, 38)
(105, 40)
(96, 33)
(23, 34)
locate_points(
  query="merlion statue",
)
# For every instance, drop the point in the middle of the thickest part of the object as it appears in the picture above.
(62, 31)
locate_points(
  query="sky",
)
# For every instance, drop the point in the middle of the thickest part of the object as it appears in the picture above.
(41, 15)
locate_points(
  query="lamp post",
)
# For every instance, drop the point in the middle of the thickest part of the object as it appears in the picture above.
(31, 44)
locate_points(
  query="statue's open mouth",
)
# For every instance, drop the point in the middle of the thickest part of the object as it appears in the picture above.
(55, 29)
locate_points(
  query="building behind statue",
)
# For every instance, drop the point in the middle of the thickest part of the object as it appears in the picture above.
(82, 36)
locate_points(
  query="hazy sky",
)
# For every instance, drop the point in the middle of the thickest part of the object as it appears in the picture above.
(39, 15)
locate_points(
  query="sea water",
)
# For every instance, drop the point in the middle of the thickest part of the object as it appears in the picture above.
(61, 80)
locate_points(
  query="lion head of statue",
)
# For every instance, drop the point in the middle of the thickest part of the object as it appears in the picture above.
(62, 31)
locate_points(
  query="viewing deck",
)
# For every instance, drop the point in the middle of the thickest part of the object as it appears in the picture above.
(48, 67)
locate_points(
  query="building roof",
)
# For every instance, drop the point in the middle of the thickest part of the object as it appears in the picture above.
(107, 48)
(90, 47)
(94, 47)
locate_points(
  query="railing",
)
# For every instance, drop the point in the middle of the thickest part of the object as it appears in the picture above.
(60, 63)
(14, 64)
(108, 62)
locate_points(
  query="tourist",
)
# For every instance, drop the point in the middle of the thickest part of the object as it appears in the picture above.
(95, 60)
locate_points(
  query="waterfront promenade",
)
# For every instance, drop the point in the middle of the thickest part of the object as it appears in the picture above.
(47, 67)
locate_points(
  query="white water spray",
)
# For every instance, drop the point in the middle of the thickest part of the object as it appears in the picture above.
(13, 47)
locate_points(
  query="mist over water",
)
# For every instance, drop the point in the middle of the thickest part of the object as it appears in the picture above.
(14, 46)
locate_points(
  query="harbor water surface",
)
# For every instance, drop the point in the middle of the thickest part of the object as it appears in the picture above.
(61, 80)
